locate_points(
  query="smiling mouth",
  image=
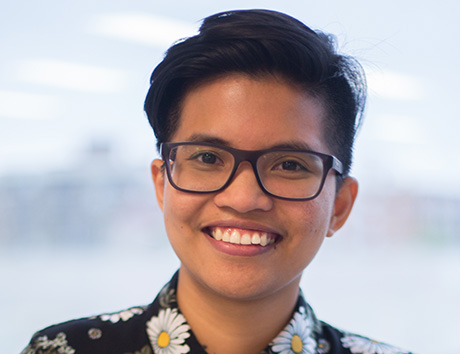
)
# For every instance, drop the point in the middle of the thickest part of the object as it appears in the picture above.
(242, 237)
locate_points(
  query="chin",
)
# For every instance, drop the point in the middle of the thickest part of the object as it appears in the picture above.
(242, 284)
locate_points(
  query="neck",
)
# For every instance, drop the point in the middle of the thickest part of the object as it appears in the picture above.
(217, 320)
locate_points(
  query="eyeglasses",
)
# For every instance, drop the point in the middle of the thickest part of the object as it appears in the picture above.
(283, 173)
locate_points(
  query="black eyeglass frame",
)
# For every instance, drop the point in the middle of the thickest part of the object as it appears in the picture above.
(251, 156)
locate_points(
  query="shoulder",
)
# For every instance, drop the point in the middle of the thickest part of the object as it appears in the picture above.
(115, 333)
(346, 342)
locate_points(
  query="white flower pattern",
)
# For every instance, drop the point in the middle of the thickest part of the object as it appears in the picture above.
(123, 315)
(168, 331)
(296, 336)
(361, 345)
(323, 346)
(57, 345)
(167, 297)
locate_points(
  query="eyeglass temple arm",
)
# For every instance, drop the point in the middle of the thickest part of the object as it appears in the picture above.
(337, 165)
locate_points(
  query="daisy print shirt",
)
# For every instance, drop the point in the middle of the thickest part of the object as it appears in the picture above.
(160, 328)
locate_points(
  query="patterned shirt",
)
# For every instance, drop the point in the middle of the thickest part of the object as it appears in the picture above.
(160, 328)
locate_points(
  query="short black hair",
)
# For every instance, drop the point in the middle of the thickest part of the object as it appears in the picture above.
(261, 43)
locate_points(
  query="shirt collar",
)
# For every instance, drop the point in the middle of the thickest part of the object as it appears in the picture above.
(169, 332)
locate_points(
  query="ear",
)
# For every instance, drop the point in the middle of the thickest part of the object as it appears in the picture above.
(343, 204)
(158, 176)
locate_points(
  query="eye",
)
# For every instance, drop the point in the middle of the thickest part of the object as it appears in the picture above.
(207, 158)
(291, 166)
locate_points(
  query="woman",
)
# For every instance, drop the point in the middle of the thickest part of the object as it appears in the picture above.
(255, 119)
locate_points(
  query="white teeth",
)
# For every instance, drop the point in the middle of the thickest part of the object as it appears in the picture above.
(263, 239)
(247, 238)
(217, 234)
(255, 239)
(235, 237)
(226, 237)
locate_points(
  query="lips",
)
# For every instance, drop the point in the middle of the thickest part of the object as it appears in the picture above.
(242, 236)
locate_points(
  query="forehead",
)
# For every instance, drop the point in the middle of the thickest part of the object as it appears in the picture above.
(252, 113)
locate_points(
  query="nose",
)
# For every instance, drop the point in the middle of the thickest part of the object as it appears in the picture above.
(244, 194)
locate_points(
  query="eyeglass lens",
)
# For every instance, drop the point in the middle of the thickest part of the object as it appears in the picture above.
(287, 174)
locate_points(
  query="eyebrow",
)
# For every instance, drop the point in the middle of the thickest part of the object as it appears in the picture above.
(288, 145)
(204, 138)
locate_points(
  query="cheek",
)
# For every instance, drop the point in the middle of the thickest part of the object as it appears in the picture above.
(177, 213)
(176, 210)
(313, 219)
(181, 210)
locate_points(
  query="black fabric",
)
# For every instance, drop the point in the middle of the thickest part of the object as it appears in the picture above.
(160, 328)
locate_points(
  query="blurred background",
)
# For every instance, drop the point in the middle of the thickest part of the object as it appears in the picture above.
(80, 232)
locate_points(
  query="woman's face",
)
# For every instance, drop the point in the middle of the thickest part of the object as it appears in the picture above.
(249, 114)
